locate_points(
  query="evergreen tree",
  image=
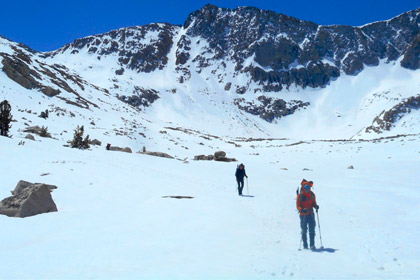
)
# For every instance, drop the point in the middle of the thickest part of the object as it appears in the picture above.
(78, 141)
(5, 118)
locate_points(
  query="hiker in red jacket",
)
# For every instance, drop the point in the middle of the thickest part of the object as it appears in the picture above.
(305, 203)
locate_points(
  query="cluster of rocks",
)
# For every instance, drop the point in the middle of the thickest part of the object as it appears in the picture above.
(387, 119)
(28, 200)
(218, 156)
(270, 108)
(40, 131)
(141, 97)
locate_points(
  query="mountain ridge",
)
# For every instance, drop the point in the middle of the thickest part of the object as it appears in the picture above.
(243, 64)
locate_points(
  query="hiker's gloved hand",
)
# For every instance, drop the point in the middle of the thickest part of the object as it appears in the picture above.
(316, 207)
(304, 210)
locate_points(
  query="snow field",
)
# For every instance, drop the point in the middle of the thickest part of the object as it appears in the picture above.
(114, 224)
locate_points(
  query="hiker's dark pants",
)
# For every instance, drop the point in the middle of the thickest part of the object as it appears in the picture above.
(308, 223)
(240, 185)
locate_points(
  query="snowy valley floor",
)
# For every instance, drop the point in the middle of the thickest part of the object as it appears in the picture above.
(113, 222)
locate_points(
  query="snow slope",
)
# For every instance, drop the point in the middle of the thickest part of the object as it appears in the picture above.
(114, 224)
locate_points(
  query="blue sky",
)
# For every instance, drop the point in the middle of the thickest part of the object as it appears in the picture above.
(49, 24)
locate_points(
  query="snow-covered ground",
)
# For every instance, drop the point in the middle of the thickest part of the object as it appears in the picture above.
(113, 222)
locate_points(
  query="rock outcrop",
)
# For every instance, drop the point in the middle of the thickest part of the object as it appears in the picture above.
(388, 118)
(270, 108)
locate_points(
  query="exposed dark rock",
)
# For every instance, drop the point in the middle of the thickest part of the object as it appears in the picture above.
(119, 71)
(128, 43)
(19, 72)
(280, 43)
(387, 119)
(142, 97)
(182, 53)
(270, 108)
(411, 58)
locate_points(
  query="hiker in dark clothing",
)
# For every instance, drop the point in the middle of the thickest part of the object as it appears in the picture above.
(305, 203)
(240, 173)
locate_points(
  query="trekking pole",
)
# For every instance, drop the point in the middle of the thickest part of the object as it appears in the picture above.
(319, 228)
(300, 243)
(247, 189)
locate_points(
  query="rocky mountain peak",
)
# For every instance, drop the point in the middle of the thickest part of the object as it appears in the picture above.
(142, 48)
(287, 51)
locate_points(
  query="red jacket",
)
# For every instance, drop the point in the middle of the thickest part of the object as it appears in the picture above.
(306, 200)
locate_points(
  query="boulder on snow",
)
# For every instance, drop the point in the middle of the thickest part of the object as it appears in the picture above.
(204, 157)
(226, 159)
(29, 200)
(350, 167)
(95, 142)
(119, 149)
(157, 154)
(21, 185)
(219, 155)
(30, 137)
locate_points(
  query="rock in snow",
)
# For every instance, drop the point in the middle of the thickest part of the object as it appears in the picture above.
(220, 154)
(28, 200)
(157, 154)
(119, 149)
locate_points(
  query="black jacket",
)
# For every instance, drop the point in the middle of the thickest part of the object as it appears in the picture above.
(240, 173)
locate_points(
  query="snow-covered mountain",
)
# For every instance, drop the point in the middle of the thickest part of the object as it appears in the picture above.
(338, 105)
(244, 72)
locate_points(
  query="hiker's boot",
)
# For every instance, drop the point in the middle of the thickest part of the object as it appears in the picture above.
(312, 240)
